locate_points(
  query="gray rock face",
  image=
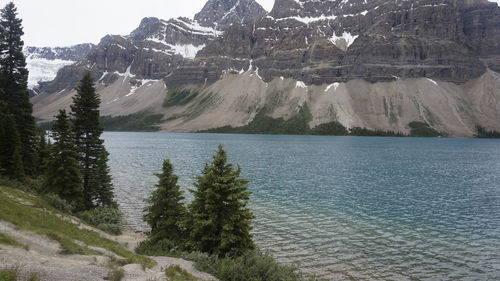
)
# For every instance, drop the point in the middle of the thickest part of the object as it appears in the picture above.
(221, 13)
(333, 41)
(151, 51)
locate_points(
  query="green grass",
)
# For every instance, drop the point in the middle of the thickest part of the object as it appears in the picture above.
(12, 274)
(115, 274)
(8, 275)
(7, 240)
(34, 214)
(176, 273)
(179, 97)
(68, 247)
(139, 122)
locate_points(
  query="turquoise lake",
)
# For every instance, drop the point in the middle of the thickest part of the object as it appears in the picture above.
(359, 208)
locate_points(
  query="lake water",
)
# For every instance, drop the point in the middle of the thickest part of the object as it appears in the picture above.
(344, 207)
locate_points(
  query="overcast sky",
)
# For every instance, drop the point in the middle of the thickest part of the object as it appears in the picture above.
(69, 22)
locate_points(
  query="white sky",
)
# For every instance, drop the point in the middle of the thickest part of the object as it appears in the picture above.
(69, 22)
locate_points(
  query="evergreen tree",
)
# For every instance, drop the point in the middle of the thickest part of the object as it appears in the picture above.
(165, 211)
(11, 164)
(97, 186)
(101, 181)
(13, 80)
(219, 219)
(43, 149)
(63, 172)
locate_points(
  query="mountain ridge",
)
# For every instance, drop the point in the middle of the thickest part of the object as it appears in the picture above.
(314, 43)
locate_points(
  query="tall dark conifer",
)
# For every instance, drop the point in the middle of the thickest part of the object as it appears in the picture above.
(97, 186)
(43, 150)
(13, 81)
(219, 219)
(63, 172)
(11, 164)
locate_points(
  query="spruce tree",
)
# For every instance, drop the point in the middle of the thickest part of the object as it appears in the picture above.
(13, 80)
(43, 150)
(63, 172)
(101, 181)
(165, 211)
(11, 164)
(219, 219)
(97, 186)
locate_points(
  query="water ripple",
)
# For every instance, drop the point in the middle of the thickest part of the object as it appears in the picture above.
(344, 207)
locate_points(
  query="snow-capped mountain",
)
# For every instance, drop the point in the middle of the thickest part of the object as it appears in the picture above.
(157, 47)
(379, 64)
(43, 63)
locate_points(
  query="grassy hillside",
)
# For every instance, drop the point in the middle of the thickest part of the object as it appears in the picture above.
(30, 213)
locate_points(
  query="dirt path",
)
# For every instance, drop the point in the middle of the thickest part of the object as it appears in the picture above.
(43, 258)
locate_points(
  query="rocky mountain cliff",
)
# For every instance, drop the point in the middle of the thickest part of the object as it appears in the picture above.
(335, 41)
(303, 48)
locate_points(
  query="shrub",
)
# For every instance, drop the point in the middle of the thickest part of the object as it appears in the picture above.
(115, 274)
(252, 265)
(176, 273)
(57, 202)
(29, 185)
(104, 218)
(159, 247)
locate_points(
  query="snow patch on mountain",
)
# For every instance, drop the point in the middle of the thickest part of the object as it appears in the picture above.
(41, 70)
(343, 41)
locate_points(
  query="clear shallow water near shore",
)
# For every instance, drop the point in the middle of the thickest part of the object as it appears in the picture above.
(344, 207)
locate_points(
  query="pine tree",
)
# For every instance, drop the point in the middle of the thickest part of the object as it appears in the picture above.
(97, 186)
(11, 164)
(219, 219)
(13, 80)
(63, 172)
(165, 211)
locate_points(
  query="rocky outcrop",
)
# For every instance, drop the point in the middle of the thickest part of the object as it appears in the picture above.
(222, 13)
